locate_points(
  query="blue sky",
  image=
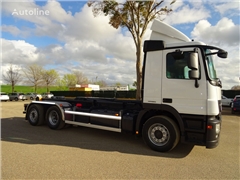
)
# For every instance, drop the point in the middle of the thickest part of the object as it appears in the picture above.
(68, 37)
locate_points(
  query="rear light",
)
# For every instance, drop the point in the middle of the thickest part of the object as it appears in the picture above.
(79, 105)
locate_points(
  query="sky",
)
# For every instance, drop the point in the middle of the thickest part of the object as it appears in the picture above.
(65, 36)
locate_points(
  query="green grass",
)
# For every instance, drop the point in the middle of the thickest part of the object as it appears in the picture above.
(25, 89)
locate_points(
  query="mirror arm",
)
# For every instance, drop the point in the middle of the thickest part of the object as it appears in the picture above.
(196, 83)
(211, 53)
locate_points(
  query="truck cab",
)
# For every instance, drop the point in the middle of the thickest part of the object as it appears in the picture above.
(179, 76)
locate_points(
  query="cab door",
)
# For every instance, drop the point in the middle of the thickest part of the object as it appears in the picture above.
(178, 90)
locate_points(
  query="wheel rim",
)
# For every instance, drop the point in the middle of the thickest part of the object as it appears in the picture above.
(33, 116)
(53, 118)
(158, 134)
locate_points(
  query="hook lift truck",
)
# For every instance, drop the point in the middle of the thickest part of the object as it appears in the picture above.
(181, 97)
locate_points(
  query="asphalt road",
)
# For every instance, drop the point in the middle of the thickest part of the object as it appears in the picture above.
(30, 152)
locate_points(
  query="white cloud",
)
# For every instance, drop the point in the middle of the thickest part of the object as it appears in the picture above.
(56, 12)
(185, 13)
(18, 52)
(11, 29)
(225, 32)
(227, 7)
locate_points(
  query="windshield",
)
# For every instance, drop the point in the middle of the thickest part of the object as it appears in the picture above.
(210, 65)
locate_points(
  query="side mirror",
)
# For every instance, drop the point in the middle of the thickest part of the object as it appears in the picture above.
(222, 54)
(193, 66)
(193, 74)
(193, 61)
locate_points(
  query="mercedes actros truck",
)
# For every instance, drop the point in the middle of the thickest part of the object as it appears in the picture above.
(181, 97)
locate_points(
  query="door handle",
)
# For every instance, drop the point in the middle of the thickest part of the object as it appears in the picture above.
(167, 100)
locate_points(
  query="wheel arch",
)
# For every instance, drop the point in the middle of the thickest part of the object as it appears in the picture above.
(158, 109)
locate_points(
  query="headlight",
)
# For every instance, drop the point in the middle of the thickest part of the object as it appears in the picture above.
(218, 128)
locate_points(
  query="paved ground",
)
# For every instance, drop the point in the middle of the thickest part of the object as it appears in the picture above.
(80, 153)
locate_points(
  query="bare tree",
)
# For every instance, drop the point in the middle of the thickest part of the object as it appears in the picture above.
(80, 78)
(12, 76)
(135, 16)
(33, 73)
(101, 83)
(49, 77)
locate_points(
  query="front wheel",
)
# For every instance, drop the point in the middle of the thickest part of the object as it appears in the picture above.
(161, 133)
(54, 118)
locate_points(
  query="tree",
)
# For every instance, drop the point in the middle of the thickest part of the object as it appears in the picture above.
(135, 84)
(12, 76)
(135, 16)
(236, 87)
(49, 77)
(69, 80)
(118, 84)
(33, 73)
(80, 78)
(60, 84)
(101, 83)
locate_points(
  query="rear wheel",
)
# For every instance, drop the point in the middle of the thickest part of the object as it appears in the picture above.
(161, 133)
(54, 118)
(16, 99)
(35, 115)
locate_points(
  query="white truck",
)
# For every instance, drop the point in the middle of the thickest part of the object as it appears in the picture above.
(181, 97)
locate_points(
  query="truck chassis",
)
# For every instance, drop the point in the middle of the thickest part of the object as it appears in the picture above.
(160, 128)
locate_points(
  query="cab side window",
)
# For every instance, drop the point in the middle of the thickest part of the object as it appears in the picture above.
(177, 67)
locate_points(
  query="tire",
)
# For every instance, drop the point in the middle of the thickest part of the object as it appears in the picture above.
(37, 98)
(161, 133)
(54, 118)
(35, 115)
(31, 98)
(15, 99)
